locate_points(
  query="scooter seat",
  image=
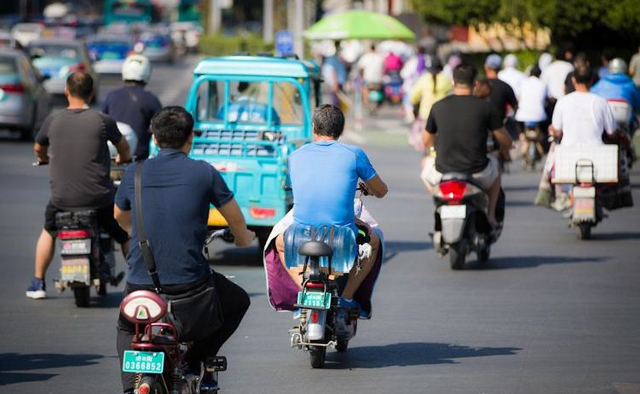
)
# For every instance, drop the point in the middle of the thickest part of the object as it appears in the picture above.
(315, 249)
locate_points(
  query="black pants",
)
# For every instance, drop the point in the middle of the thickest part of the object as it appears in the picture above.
(234, 303)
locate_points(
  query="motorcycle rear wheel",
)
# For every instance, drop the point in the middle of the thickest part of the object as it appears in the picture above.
(342, 345)
(583, 230)
(458, 254)
(82, 295)
(317, 355)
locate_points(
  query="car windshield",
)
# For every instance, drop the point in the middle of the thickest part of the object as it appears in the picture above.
(130, 9)
(249, 103)
(7, 65)
(54, 50)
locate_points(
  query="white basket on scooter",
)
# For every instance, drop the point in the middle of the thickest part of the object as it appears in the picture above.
(570, 168)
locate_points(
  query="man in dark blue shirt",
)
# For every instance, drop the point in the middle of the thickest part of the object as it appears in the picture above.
(132, 104)
(176, 193)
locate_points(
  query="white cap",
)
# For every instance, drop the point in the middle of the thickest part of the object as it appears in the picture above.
(511, 60)
(136, 68)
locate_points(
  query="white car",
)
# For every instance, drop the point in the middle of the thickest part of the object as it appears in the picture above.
(24, 33)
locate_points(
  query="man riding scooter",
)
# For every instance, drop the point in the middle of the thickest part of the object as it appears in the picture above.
(457, 127)
(324, 177)
(74, 143)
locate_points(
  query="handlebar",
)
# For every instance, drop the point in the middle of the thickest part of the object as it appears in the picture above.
(225, 234)
(40, 163)
(362, 188)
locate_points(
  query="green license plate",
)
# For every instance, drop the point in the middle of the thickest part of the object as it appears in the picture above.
(314, 299)
(143, 362)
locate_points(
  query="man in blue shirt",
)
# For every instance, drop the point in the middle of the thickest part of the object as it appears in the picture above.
(132, 104)
(618, 86)
(176, 193)
(324, 177)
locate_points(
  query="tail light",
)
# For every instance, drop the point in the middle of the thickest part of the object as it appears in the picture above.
(262, 213)
(144, 389)
(77, 67)
(455, 191)
(314, 317)
(74, 234)
(13, 88)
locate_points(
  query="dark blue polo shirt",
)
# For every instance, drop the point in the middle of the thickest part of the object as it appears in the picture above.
(176, 193)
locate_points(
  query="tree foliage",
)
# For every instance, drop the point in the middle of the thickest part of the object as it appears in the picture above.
(568, 20)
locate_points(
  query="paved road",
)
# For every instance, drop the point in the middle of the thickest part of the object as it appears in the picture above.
(551, 314)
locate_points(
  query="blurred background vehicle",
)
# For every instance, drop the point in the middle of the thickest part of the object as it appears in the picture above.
(109, 51)
(24, 33)
(185, 36)
(56, 58)
(8, 41)
(129, 11)
(24, 102)
(156, 44)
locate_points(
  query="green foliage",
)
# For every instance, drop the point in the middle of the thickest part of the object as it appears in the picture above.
(568, 20)
(219, 45)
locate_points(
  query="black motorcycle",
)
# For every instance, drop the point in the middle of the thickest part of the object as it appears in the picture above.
(461, 223)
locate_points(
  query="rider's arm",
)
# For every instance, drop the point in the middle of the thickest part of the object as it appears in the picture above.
(429, 139)
(123, 218)
(117, 139)
(377, 187)
(124, 152)
(222, 198)
(504, 140)
(41, 152)
(233, 215)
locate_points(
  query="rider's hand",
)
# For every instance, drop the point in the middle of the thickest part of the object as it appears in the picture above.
(246, 240)
(120, 161)
(364, 188)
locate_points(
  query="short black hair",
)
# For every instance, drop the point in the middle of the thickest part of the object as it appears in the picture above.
(328, 120)
(171, 127)
(464, 74)
(559, 54)
(80, 85)
(583, 74)
(535, 71)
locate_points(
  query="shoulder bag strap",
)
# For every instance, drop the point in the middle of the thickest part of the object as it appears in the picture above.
(143, 242)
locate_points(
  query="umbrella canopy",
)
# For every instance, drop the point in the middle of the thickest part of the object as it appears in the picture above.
(358, 24)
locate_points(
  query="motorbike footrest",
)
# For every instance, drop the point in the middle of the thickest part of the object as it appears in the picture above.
(216, 364)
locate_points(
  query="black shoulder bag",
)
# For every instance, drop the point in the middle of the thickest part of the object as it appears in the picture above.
(195, 314)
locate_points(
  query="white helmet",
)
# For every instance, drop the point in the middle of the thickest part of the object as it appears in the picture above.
(136, 68)
(617, 66)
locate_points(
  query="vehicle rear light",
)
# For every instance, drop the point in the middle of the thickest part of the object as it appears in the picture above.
(73, 234)
(452, 190)
(314, 317)
(13, 88)
(144, 388)
(262, 213)
(314, 285)
(77, 67)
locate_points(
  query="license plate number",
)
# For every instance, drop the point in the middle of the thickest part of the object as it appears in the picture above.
(75, 270)
(143, 362)
(314, 299)
(111, 55)
(453, 211)
(78, 246)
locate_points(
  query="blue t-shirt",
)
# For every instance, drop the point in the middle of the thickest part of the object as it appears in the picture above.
(324, 177)
(176, 193)
(134, 106)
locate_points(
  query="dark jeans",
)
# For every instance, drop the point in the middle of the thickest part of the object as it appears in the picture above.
(234, 303)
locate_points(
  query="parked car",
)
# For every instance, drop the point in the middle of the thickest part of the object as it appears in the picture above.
(56, 58)
(156, 44)
(109, 51)
(24, 33)
(24, 102)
